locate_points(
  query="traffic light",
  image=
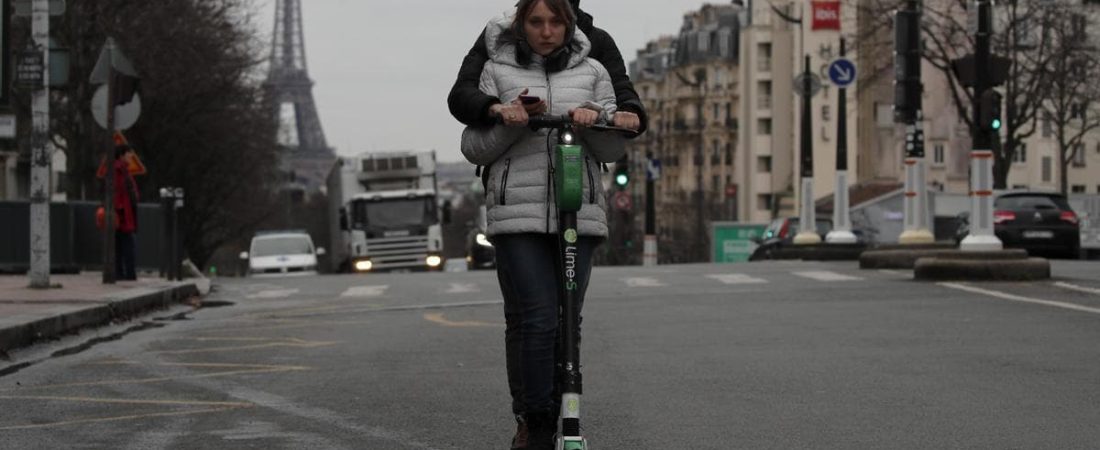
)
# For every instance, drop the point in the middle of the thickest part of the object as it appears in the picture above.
(990, 105)
(907, 64)
(622, 173)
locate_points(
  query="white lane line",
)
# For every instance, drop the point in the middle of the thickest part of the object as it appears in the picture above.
(1019, 298)
(737, 278)
(824, 275)
(463, 288)
(892, 272)
(1077, 288)
(366, 291)
(643, 282)
(280, 293)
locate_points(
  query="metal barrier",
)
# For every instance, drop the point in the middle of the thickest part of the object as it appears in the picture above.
(75, 242)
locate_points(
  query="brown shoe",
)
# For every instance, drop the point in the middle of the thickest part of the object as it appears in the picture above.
(519, 441)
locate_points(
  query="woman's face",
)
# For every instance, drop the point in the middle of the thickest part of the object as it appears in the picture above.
(545, 30)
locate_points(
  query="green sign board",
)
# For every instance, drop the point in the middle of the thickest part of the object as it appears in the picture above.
(733, 241)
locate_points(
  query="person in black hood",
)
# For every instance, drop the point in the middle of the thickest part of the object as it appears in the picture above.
(474, 108)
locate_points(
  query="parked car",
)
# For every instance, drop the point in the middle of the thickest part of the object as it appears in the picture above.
(480, 253)
(781, 232)
(282, 253)
(1041, 223)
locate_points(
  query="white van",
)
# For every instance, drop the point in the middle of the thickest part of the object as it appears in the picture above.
(277, 253)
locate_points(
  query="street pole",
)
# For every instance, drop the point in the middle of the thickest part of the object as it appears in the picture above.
(808, 230)
(917, 230)
(842, 223)
(41, 159)
(109, 274)
(649, 255)
(982, 237)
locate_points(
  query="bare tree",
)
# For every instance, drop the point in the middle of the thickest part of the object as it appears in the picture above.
(204, 125)
(1072, 95)
(946, 37)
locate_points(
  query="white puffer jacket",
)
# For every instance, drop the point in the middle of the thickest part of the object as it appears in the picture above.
(519, 193)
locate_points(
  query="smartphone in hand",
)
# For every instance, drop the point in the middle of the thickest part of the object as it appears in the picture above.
(529, 99)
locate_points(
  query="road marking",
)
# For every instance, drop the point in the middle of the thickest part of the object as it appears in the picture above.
(266, 343)
(824, 275)
(643, 282)
(1018, 298)
(463, 288)
(1077, 288)
(737, 278)
(243, 369)
(439, 319)
(278, 293)
(892, 272)
(117, 418)
(366, 291)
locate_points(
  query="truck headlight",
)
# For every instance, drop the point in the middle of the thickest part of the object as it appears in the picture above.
(483, 240)
(433, 261)
(364, 266)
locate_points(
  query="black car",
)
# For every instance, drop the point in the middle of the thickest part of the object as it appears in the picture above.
(781, 232)
(1041, 223)
(480, 253)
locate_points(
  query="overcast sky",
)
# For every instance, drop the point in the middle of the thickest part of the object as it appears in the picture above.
(382, 68)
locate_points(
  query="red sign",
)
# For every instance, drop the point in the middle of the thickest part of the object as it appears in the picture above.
(826, 15)
(623, 202)
(731, 190)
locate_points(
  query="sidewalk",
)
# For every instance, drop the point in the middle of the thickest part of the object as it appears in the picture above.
(28, 315)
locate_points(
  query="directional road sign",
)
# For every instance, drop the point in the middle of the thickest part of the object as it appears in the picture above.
(653, 170)
(842, 72)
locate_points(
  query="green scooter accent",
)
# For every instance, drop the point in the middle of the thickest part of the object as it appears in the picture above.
(569, 177)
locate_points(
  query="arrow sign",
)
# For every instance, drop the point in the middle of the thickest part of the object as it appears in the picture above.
(842, 72)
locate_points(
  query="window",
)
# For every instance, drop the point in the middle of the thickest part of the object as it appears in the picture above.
(1048, 169)
(716, 184)
(764, 164)
(764, 127)
(764, 99)
(764, 57)
(1079, 155)
(1048, 129)
(1078, 189)
(1020, 157)
(764, 202)
(937, 154)
(717, 113)
(826, 113)
(716, 154)
(729, 154)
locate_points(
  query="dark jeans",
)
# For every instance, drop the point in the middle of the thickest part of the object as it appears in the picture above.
(529, 271)
(124, 256)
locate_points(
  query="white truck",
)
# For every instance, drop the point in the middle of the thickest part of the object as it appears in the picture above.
(383, 213)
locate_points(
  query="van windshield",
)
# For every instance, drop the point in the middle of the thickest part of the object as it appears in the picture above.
(274, 246)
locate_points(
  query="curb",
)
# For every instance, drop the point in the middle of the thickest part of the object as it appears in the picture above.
(895, 258)
(956, 269)
(115, 308)
(821, 252)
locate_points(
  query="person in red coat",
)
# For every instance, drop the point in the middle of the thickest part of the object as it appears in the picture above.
(126, 200)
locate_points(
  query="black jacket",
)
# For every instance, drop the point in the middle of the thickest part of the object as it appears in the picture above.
(471, 106)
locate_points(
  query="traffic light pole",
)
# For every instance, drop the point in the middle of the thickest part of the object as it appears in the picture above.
(917, 230)
(649, 255)
(808, 230)
(981, 237)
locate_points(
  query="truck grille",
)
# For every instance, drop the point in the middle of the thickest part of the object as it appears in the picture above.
(398, 252)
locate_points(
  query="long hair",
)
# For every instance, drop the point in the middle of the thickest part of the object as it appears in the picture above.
(561, 8)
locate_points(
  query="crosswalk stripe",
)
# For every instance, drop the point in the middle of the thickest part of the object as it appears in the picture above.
(366, 291)
(463, 288)
(277, 293)
(643, 282)
(737, 278)
(824, 275)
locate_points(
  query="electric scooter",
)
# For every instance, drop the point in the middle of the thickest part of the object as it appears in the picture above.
(569, 173)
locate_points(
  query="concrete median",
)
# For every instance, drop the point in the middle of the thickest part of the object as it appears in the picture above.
(982, 266)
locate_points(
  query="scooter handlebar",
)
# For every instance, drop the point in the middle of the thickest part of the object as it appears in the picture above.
(563, 120)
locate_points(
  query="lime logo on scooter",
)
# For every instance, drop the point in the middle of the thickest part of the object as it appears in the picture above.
(571, 236)
(571, 259)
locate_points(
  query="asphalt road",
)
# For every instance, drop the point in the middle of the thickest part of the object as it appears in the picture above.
(770, 355)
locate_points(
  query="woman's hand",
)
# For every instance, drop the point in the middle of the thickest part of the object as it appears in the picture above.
(628, 120)
(513, 114)
(583, 117)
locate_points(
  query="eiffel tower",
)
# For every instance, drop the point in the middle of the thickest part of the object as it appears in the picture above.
(307, 157)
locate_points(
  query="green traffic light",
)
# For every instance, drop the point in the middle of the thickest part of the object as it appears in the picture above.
(621, 179)
(996, 124)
